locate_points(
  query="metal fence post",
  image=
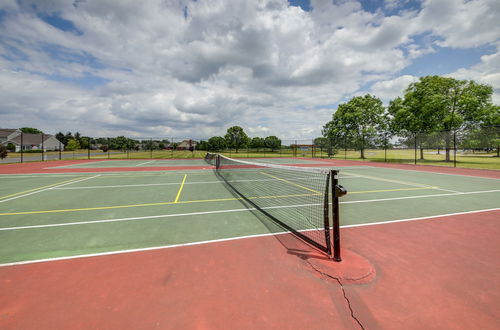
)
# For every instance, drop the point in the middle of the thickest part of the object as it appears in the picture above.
(22, 146)
(43, 148)
(455, 148)
(415, 161)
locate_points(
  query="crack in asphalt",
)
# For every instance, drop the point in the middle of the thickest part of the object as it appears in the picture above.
(343, 292)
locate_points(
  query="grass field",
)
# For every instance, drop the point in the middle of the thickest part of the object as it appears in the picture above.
(483, 160)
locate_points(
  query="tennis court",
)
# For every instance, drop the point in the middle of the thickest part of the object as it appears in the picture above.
(66, 212)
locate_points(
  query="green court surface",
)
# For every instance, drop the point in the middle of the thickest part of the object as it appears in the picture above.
(59, 215)
(175, 162)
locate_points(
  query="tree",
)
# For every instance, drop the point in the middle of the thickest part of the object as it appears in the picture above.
(257, 142)
(273, 142)
(73, 145)
(11, 147)
(84, 142)
(358, 120)
(30, 130)
(3, 151)
(203, 145)
(437, 103)
(60, 137)
(236, 138)
(217, 143)
(68, 136)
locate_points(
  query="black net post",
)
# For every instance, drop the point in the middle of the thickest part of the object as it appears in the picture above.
(108, 148)
(337, 192)
(60, 150)
(88, 148)
(326, 215)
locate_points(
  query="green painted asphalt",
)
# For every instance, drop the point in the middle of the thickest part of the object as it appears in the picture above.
(373, 197)
(176, 162)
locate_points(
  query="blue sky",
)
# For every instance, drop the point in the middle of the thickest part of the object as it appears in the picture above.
(194, 68)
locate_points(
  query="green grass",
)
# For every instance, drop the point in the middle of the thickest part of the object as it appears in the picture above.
(481, 160)
(431, 157)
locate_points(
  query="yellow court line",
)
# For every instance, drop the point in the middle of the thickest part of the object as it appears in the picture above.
(152, 204)
(200, 201)
(180, 189)
(39, 188)
(292, 183)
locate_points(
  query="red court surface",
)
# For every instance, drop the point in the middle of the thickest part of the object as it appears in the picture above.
(439, 273)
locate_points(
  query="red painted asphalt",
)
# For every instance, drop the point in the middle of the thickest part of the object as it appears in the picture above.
(438, 273)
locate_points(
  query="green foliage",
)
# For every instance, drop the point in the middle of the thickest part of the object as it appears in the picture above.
(437, 103)
(203, 145)
(30, 130)
(236, 137)
(257, 142)
(357, 121)
(217, 143)
(72, 145)
(321, 142)
(272, 142)
(11, 147)
(3, 151)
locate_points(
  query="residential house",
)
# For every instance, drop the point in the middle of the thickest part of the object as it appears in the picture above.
(187, 145)
(8, 133)
(28, 141)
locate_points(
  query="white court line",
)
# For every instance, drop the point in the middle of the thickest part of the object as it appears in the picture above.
(431, 172)
(145, 163)
(224, 211)
(61, 185)
(419, 218)
(177, 183)
(215, 241)
(152, 217)
(421, 196)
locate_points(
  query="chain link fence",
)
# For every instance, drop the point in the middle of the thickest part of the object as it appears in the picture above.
(472, 148)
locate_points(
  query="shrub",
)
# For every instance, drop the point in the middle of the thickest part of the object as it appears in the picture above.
(3, 151)
(11, 147)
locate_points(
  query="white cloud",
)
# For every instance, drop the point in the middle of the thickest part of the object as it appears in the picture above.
(263, 65)
(486, 72)
(390, 89)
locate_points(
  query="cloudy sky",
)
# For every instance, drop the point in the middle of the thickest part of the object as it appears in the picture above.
(187, 68)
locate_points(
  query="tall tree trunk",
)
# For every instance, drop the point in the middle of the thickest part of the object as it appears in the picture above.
(421, 153)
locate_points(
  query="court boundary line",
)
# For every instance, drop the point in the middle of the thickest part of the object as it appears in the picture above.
(43, 188)
(197, 213)
(236, 199)
(180, 189)
(90, 255)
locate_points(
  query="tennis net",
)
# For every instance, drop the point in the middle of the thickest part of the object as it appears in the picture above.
(296, 198)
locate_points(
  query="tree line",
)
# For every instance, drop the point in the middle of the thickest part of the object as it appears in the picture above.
(236, 138)
(434, 107)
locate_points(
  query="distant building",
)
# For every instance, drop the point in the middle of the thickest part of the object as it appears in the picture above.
(8, 133)
(28, 141)
(187, 145)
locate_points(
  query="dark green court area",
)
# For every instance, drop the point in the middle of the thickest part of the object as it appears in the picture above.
(58, 215)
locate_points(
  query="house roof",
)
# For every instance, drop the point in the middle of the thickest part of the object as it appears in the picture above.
(4, 132)
(30, 139)
(187, 143)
